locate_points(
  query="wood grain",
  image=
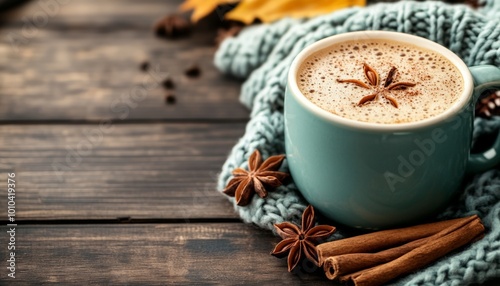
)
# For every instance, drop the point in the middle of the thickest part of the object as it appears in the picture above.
(92, 14)
(158, 163)
(91, 53)
(158, 171)
(151, 254)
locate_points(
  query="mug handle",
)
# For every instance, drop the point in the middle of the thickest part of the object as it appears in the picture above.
(485, 77)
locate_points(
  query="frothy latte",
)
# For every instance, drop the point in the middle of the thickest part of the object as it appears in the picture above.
(380, 81)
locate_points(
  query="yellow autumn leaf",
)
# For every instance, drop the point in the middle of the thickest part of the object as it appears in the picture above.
(202, 7)
(270, 10)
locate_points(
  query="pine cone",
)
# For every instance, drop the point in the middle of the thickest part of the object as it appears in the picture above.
(489, 105)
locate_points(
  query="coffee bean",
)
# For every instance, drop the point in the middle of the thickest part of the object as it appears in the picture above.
(193, 71)
(144, 66)
(168, 83)
(170, 98)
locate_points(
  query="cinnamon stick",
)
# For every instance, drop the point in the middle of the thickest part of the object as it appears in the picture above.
(432, 250)
(342, 265)
(381, 240)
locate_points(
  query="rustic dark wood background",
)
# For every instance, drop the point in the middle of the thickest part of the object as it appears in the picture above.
(139, 206)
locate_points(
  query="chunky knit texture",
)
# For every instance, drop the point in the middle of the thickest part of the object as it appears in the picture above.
(263, 53)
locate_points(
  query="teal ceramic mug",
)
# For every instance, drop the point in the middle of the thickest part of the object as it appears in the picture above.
(374, 176)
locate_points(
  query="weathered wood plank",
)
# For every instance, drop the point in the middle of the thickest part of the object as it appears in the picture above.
(152, 254)
(164, 171)
(54, 73)
(57, 75)
(149, 254)
(85, 14)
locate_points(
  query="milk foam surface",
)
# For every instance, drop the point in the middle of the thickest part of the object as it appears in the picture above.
(437, 82)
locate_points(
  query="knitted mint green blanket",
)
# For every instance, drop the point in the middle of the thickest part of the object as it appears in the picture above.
(263, 53)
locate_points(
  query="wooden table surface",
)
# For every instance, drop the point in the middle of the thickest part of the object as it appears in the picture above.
(113, 186)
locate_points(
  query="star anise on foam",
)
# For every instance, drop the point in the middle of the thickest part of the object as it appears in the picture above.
(299, 242)
(374, 83)
(261, 178)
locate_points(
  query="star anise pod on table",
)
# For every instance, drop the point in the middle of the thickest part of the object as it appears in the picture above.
(172, 26)
(374, 83)
(230, 32)
(489, 105)
(299, 242)
(261, 178)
